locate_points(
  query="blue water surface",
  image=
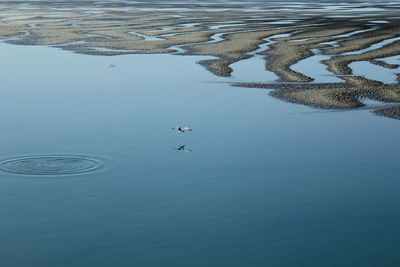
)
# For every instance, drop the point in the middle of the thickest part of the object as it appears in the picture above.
(266, 183)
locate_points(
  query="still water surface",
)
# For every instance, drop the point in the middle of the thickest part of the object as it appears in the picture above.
(267, 183)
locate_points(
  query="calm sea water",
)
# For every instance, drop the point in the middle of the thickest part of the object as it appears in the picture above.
(267, 183)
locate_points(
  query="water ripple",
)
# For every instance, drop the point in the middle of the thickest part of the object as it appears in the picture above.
(49, 165)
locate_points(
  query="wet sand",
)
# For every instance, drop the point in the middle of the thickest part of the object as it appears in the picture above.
(393, 113)
(229, 33)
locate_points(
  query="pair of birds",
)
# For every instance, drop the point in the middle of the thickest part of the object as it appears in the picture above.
(180, 129)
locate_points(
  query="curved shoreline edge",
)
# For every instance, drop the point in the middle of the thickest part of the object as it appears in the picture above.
(101, 28)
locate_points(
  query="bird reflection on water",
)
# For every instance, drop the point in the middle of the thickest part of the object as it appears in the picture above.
(182, 148)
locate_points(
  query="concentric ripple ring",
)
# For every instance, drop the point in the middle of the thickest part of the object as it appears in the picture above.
(49, 165)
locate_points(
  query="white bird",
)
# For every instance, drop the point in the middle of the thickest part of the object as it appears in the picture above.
(180, 129)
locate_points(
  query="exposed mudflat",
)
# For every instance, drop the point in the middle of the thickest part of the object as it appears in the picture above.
(389, 112)
(229, 33)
